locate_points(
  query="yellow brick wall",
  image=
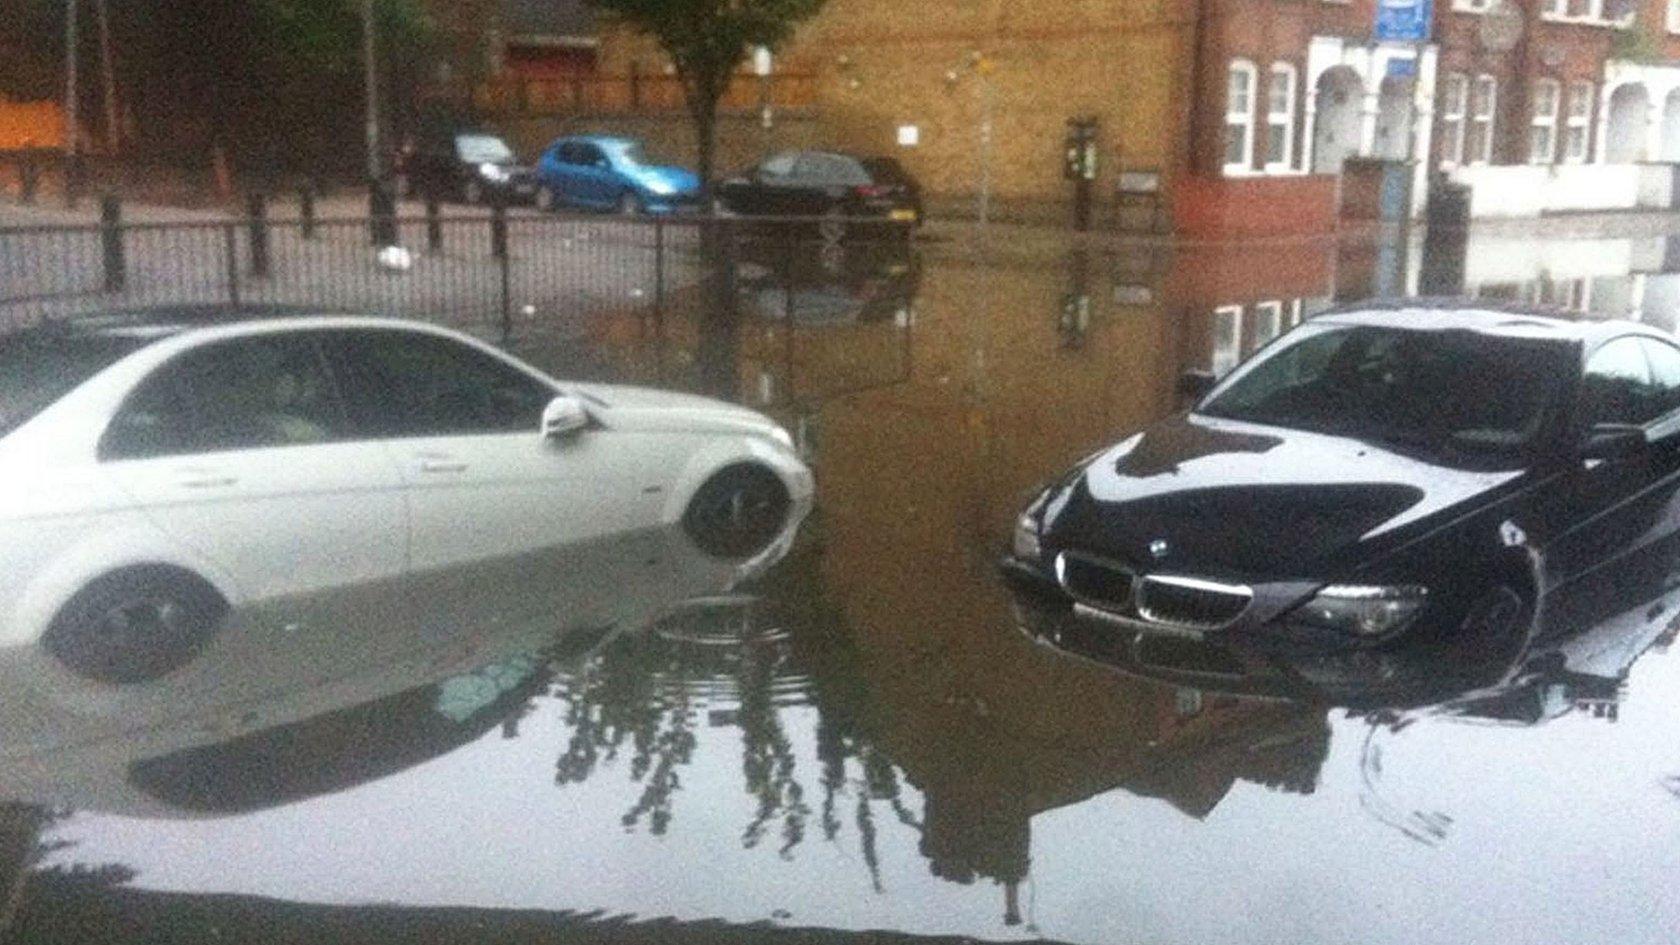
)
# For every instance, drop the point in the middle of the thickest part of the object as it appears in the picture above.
(886, 63)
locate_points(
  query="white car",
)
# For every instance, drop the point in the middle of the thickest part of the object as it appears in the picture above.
(176, 479)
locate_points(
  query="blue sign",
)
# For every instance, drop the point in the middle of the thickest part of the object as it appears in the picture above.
(1402, 68)
(1404, 21)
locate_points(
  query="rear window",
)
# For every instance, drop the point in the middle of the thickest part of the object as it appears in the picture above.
(886, 171)
(38, 368)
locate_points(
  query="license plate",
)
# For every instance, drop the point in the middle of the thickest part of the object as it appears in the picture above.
(903, 216)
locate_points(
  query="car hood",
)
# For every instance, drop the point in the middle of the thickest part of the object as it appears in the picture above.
(645, 409)
(1254, 502)
(679, 180)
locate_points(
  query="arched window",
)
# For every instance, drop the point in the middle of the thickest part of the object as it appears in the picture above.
(1239, 117)
(1280, 117)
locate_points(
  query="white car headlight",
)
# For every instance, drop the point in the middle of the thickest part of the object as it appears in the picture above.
(661, 188)
(495, 173)
(780, 434)
(1364, 611)
(1025, 544)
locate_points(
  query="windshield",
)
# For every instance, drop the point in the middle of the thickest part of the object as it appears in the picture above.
(629, 154)
(483, 149)
(36, 370)
(1405, 387)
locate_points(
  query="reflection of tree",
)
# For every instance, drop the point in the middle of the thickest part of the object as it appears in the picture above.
(22, 849)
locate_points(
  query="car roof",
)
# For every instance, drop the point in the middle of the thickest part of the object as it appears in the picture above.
(158, 323)
(1486, 316)
(606, 141)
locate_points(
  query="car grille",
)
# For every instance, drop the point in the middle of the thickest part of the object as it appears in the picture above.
(1094, 581)
(1189, 602)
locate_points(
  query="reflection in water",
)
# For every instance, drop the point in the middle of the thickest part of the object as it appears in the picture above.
(861, 741)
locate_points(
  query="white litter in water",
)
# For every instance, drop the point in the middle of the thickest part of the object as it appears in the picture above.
(637, 293)
(396, 259)
(529, 311)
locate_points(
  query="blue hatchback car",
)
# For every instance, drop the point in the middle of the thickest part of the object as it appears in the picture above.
(605, 173)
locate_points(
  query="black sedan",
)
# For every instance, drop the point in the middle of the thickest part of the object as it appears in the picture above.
(1420, 489)
(840, 191)
(471, 166)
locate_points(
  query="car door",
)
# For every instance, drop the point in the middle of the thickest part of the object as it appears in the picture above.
(561, 172)
(765, 194)
(1619, 545)
(241, 452)
(598, 183)
(501, 517)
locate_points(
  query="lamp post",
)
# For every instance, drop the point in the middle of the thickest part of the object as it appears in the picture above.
(371, 79)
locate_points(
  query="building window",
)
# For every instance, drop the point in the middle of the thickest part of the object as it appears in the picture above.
(1280, 117)
(1673, 17)
(1472, 6)
(1268, 322)
(1455, 93)
(1478, 140)
(1598, 12)
(1542, 132)
(1227, 339)
(1239, 117)
(1579, 122)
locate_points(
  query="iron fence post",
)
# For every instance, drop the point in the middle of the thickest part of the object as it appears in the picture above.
(434, 224)
(498, 230)
(230, 254)
(306, 211)
(382, 214)
(499, 248)
(256, 213)
(111, 238)
(29, 177)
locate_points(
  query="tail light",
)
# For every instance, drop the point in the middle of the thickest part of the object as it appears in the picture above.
(871, 191)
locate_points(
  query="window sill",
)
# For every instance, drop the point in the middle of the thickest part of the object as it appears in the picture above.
(1599, 22)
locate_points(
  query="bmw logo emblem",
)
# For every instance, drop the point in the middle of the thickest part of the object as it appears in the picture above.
(1159, 548)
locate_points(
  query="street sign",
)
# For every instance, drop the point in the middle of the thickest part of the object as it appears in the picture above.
(1404, 21)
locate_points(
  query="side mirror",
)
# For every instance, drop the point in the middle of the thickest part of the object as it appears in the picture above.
(1194, 385)
(564, 417)
(1610, 441)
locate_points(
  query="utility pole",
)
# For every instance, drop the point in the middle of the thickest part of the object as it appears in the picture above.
(102, 8)
(70, 81)
(371, 78)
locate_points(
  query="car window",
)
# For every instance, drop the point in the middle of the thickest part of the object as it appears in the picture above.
(37, 368)
(1617, 386)
(779, 166)
(567, 153)
(252, 393)
(402, 384)
(481, 149)
(832, 169)
(589, 155)
(1665, 372)
(1432, 390)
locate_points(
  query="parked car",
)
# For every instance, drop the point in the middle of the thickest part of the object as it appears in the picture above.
(842, 189)
(169, 473)
(1381, 484)
(605, 173)
(835, 285)
(472, 166)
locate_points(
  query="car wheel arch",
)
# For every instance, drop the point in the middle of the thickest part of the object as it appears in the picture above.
(80, 567)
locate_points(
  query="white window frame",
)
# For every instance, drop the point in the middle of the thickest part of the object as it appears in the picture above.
(1546, 121)
(1284, 119)
(1671, 18)
(1474, 117)
(1240, 119)
(1579, 124)
(1227, 340)
(1472, 6)
(1597, 13)
(1454, 116)
(1268, 322)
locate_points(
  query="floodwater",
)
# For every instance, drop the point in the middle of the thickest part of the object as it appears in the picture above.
(863, 743)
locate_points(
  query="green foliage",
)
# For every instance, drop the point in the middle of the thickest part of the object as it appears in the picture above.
(707, 40)
(1635, 44)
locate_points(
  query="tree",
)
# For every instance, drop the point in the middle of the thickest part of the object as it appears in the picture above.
(706, 41)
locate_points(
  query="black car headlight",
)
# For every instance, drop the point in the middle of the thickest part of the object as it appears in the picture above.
(1366, 611)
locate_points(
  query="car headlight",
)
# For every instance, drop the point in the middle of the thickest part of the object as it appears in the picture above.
(661, 188)
(1025, 544)
(495, 173)
(780, 434)
(1362, 610)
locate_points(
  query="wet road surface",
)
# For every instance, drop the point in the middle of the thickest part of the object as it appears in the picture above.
(863, 743)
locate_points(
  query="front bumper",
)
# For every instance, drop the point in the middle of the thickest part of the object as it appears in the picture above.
(1255, 657)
